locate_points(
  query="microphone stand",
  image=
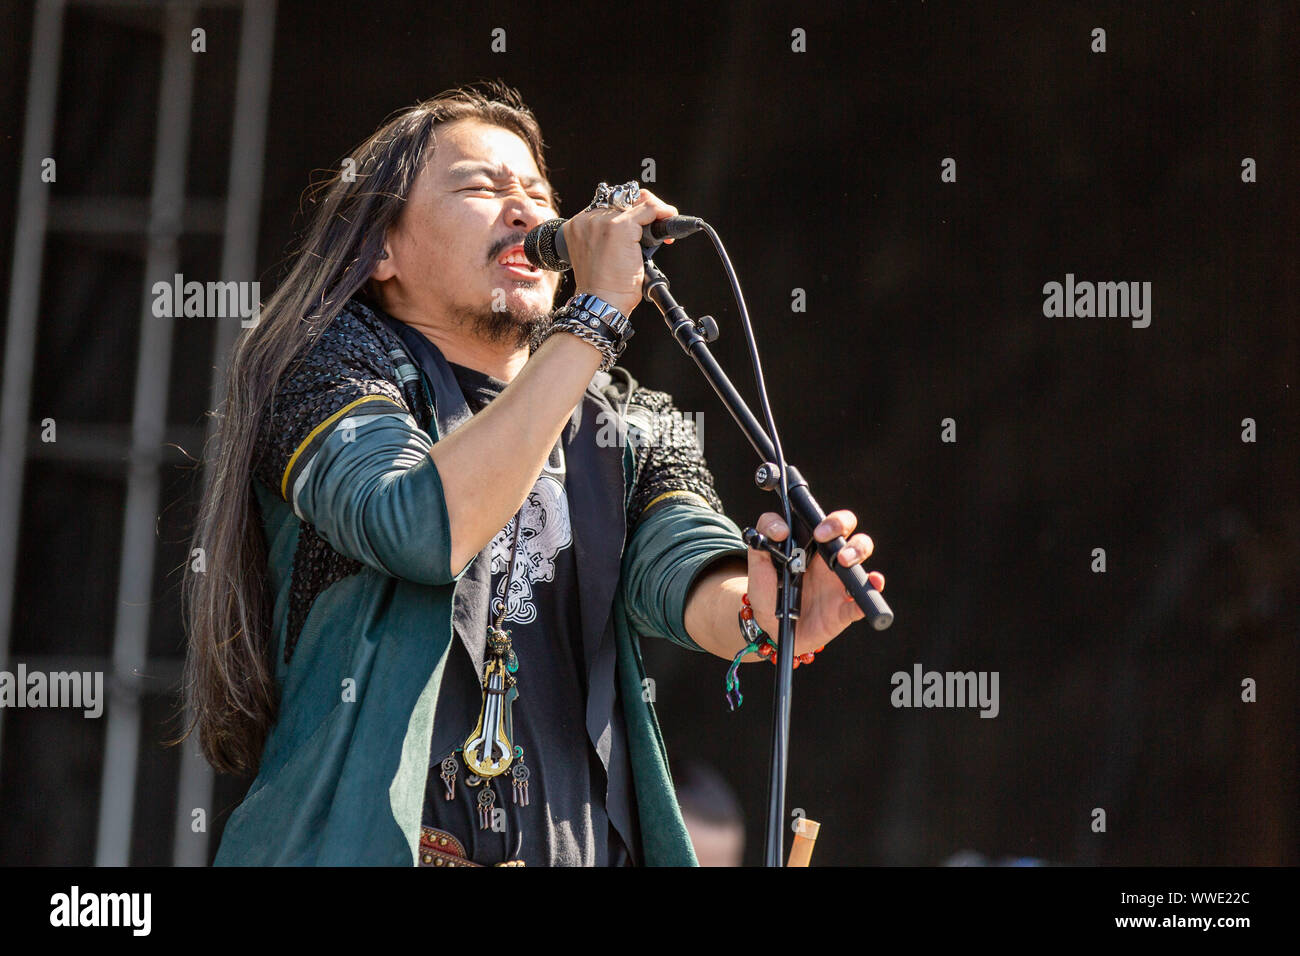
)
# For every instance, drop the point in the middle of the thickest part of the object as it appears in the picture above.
(694, 337)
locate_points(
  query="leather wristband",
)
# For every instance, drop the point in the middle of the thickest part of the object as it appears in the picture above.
(597, 322)
(598, 315)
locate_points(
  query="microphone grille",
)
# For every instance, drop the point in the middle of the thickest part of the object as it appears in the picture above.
(539, 246)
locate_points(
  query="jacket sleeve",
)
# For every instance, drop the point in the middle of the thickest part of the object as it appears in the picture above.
(675, 520)
(339, 444)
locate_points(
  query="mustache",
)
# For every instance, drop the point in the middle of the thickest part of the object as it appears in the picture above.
(503, 244)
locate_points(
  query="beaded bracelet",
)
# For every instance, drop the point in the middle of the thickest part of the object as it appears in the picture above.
(758, 642)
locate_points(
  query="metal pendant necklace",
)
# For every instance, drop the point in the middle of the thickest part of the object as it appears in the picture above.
(490, 750)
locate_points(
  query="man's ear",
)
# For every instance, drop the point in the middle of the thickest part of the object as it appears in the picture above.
(385, 268)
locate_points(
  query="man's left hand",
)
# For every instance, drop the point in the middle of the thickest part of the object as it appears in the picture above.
(825, 607)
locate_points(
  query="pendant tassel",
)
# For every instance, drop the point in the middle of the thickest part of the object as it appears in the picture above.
(486, 804)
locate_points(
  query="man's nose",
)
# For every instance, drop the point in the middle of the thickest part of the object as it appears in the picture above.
(524, 212)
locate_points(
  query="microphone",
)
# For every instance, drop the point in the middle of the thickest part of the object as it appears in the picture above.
(546, 249)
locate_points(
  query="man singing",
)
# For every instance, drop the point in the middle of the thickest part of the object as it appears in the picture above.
(440, 520)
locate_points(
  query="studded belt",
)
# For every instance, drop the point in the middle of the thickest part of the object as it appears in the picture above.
(440, 848)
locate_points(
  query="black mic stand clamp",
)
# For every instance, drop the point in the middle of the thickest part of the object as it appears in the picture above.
(792, 565)
(685, 330)
(798, 559)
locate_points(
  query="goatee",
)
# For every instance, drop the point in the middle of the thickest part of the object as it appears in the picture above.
(515, 327)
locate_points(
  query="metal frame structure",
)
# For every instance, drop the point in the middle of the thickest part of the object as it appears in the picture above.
(169, 216)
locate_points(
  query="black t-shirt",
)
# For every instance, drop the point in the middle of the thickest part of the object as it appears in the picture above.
(565, 823)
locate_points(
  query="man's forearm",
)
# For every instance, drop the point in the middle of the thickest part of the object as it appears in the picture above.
(712, 606)
(489, 464)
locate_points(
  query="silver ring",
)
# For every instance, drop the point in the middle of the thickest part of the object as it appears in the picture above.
(601, 199)
(626, 195)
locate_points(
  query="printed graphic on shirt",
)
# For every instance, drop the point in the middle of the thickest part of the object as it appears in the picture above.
(544, 532)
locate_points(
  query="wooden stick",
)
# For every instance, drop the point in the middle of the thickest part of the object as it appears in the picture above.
(802, 846)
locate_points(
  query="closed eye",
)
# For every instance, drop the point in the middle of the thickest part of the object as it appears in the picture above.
(486, 188)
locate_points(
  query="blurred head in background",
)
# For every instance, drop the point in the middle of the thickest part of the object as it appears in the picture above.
(712, 814)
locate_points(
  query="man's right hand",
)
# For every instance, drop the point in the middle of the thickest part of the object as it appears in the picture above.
(605, 249)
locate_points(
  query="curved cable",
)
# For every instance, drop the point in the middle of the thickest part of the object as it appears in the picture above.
(768, 420)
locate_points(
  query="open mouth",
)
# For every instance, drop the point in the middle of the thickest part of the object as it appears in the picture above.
(517, 265)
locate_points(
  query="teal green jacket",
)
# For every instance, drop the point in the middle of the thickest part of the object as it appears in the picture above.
(343, 772)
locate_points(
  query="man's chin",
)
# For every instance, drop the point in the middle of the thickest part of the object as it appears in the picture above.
(527, 298)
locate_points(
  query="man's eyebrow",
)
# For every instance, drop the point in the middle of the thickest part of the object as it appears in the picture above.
(466, 170)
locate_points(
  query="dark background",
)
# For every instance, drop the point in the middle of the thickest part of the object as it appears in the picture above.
(924, 301)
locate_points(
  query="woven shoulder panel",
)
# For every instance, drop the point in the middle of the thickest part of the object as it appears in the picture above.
(670, 464)
(356, 357)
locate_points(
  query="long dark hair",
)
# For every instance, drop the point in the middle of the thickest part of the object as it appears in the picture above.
(229, 686)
